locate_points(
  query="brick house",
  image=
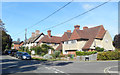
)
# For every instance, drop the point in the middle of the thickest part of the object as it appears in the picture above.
(17, 44)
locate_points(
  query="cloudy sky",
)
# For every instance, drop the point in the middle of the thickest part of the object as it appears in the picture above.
(20, 15)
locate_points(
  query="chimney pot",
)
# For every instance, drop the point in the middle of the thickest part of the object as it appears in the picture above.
(69, 31)
(49, 33)
(37, 32)
(77, 26)
(33, 34)
(85, 27)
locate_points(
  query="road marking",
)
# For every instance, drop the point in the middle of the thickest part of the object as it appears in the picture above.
(55, 70)
(106, 70)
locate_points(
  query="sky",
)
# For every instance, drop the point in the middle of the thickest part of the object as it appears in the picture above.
(20, 15)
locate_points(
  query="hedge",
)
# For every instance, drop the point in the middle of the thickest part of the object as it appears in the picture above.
(109, 55)
(80, 53)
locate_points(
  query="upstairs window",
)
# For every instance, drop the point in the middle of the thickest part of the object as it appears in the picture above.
(66, 42)
(73, 41)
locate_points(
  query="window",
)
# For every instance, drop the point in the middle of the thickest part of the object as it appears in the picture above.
(55, 44)
(66, 42)
(73, 41)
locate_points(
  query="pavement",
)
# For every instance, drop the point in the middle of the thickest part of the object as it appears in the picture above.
(14, 65)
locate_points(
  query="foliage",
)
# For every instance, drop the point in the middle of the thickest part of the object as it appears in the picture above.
(116, 42)
(41, 50)
(56, 54)
(80, 53)
(25, 49)
(109, 55)
(47, 56)
(39, 59)
(6, 41)
(99, 49)
(61, 55)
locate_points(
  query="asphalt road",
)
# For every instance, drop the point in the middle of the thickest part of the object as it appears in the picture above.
(14, 65)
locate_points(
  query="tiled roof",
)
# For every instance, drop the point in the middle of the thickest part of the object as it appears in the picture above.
(33, 39)
(59, 47)
(66, 36)
(89, 33)
(17, 42)
(52, 39)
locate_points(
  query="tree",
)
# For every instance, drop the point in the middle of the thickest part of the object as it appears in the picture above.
(6, 41)
(116, 41)
(6, 38)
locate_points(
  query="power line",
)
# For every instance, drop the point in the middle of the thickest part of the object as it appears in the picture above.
(47, 16)
(76, 16)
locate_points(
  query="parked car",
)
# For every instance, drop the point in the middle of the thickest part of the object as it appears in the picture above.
(17, 54)
(7, 52)
(13, 52)
(24, 55)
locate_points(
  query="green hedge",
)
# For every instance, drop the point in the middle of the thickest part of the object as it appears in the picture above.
(80, 53)
(98, 49)
(109, 55)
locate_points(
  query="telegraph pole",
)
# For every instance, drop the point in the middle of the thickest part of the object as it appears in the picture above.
(25, 36)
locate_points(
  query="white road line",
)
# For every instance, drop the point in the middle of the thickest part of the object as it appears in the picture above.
(106, 70)
(55, 70)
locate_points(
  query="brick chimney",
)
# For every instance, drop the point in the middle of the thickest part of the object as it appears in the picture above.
(69, 31)
(77, 26)
(33, 34)
(37, 32)
(49, 33)
(85, 27)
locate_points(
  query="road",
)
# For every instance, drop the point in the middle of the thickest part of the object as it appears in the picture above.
(14, 65)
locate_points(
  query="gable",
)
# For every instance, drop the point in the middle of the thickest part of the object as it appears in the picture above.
(74, 35)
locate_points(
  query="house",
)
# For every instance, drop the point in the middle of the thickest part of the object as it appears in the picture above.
(53, 41)
(17, 44)
(34, 39)
(85, 39)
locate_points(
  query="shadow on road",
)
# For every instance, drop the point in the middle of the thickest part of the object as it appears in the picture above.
(17, 66)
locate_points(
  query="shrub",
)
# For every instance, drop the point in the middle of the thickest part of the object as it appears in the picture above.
(109, 55)
(79, 53)
(56, 54)
(41, 50)
(62, 55)
(99, 49)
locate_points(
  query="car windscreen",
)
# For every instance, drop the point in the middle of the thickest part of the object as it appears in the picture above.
(25, 53)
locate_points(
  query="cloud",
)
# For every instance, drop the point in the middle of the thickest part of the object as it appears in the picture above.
(87, 6)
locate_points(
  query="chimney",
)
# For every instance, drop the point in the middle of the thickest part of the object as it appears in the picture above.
(69, 31)
(77, 26)
(37, 32)
(33, 34)
(49, 33)
(85, 27)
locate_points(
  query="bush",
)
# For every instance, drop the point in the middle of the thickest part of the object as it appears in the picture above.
(56, 54)
(99, 49)
(79, 53)
(62, 55)
(41, 50)
(109, 55)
